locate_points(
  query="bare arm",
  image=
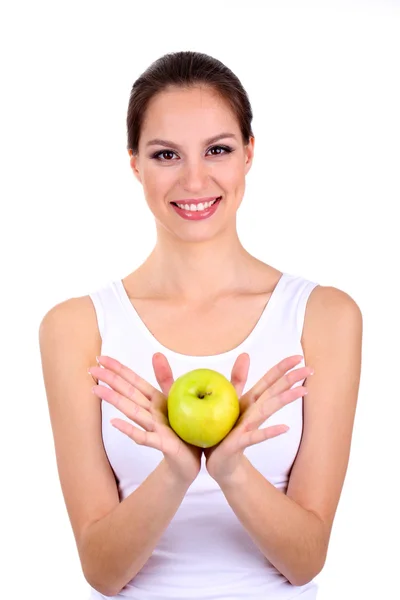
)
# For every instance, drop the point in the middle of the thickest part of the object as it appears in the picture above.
(293, 529)
(116, 547)
(114, 539)
(292, 538)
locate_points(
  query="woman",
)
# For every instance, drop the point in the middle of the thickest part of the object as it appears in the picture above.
(153, 516)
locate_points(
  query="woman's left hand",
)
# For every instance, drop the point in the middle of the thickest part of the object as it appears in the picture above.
(266, 397)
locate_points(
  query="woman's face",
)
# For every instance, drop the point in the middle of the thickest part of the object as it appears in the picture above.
(188, 166)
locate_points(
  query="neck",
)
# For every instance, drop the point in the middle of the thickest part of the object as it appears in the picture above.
(197, 271)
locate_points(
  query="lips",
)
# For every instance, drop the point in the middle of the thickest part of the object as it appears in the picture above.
(194, 201)
(197, 215)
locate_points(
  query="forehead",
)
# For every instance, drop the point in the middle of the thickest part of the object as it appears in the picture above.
(178, 111)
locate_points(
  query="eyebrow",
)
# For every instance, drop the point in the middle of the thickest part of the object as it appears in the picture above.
(215, 138)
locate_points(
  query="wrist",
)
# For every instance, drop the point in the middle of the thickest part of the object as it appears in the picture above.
(175, 480)
(237, 477)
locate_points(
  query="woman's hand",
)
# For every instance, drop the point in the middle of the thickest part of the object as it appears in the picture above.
(266, 397)
(147, 406)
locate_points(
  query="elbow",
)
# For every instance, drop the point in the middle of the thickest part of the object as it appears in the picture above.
(300, 581)
(106, 585)
(101, 587)
(98, 581)
(315, 563)
(304, 578)
(95, 574)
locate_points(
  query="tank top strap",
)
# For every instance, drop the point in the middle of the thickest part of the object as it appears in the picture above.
(290, 305)
(107, 305)
(305, 287)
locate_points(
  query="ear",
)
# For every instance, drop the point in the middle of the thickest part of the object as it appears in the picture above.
(134, 164)
(249, 154)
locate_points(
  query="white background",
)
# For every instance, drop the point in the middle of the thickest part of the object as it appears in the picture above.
(323, 80)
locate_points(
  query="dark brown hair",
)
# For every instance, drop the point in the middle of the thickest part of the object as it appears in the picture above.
(186, 69)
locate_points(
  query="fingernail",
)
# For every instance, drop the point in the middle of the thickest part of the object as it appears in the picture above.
(97, 359)
(312, 372)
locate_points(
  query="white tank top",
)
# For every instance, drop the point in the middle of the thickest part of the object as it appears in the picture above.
(205, 553)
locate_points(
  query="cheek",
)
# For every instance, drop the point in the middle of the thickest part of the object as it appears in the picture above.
(157, 179)
(233, 177)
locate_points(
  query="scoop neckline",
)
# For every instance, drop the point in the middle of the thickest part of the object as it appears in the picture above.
(134, 316)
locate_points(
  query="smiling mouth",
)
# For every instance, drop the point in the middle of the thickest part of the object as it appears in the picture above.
(195, 205)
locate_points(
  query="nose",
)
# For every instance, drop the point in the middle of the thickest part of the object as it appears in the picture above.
(194, 176)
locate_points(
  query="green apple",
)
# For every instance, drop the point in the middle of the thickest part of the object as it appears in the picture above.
(203, 406)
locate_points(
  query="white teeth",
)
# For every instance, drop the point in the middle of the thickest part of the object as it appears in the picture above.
(197, 207)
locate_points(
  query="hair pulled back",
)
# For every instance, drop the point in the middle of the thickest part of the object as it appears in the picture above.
(186, 69)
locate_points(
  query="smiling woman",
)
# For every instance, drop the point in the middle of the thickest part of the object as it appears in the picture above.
(179, 165)
(154, 516)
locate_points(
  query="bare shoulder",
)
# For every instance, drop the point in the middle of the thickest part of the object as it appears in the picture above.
(69, 343)
(78, 313)
(331, 307)
(331, 298)
(332, 338)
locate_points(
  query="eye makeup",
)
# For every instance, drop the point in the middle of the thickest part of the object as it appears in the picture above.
(157, 155)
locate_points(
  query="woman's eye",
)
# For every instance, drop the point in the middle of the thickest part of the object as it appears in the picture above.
(225, 149)
(158, 154)
(162, 153)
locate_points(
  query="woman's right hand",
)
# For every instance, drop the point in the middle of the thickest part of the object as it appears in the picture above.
(147, 406)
